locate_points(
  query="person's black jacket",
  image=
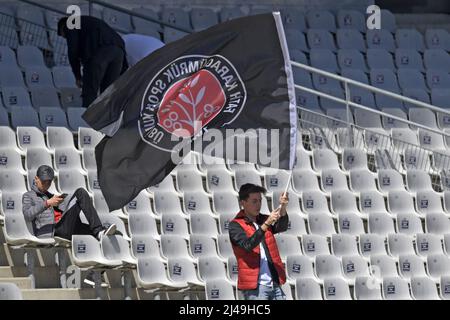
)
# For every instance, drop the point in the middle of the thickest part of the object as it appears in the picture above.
(83, 43)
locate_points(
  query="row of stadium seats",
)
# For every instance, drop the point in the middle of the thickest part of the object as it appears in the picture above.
(374, 150)
(190, 178)
(417, 288)
(366, 288)
(351, 220)
(73, 172)
(397, 140)
(199, 263)
(312, 204)
(344, 261)
(198, 18)
(324, 142)
(412, 85)
(45, 117)
(15, 94)
(404, 39)
(402, 214)
(397, 151)
(25, 56)
(319, 265)
(373, 59)
(371, 120)
(321, 158)
(319, 23)
(359, 204)
(351, 172)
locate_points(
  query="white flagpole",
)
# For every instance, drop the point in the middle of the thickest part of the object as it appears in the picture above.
(285, 190)
(287, 186)
(289, 181)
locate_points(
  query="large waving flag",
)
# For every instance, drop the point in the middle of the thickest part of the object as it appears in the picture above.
(235, 75)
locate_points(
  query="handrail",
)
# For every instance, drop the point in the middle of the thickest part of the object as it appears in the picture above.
(393, 145)
(110, 6)
(133, 13)
(361, 128)
(368, 87)
(384, 114)
(27, 21)
(43, 6)
(300, 108)
(38, 30)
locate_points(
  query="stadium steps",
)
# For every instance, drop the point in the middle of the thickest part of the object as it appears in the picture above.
(21, 282)
(163, 295)
(58, 294)
(109, 294)
(45, 277)
(7, 272)
(422, 22)
(3, 255)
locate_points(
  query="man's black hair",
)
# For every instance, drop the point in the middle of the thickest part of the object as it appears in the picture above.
(246, 189)
(62, 25)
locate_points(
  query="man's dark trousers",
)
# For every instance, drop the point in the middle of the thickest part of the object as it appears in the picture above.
(100, 71)
(70, 222)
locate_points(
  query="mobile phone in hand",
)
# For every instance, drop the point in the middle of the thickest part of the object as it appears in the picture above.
(63, 195)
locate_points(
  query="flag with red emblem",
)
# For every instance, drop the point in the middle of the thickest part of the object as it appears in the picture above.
(230, 82)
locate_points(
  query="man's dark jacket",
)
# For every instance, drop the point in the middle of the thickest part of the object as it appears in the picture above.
(84, 43)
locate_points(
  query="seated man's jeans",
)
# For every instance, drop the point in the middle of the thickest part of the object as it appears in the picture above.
(264, 293)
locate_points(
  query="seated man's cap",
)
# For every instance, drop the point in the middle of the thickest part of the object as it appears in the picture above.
(45, 173)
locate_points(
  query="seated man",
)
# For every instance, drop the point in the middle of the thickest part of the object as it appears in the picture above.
(59, 215)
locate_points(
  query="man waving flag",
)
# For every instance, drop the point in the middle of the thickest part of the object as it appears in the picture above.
(235, 75)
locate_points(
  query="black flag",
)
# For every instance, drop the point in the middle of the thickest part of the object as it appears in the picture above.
(235, 75)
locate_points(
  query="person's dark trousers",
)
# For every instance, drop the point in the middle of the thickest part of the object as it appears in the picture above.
(70, 222)
(100, 71)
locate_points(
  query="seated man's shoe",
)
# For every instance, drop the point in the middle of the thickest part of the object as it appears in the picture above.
(108, 231)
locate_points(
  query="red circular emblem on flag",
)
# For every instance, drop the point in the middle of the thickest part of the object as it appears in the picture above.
(187, 96)
(191, 103)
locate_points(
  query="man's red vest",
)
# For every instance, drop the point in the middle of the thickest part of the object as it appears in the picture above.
(248, 262)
